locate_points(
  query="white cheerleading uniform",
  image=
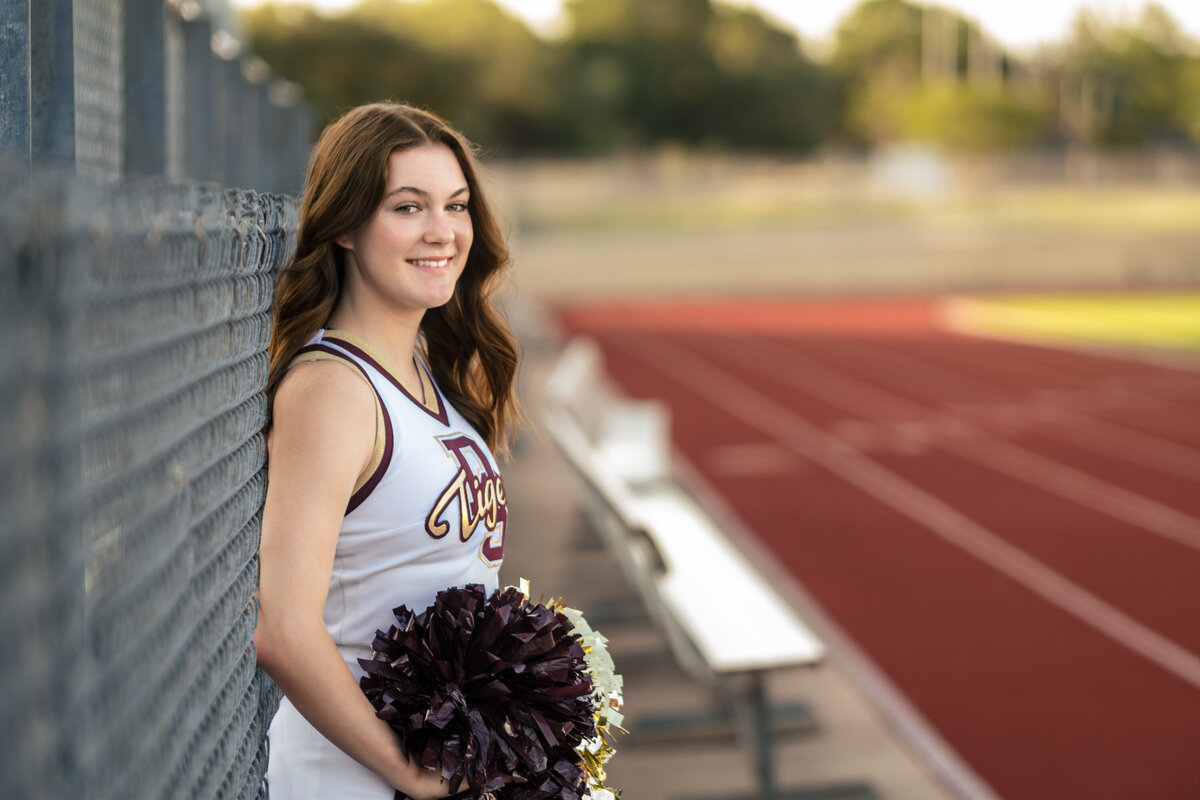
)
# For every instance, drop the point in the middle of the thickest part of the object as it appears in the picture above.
(427, 513)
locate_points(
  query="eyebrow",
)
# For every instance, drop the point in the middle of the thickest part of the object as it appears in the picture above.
(420, 192)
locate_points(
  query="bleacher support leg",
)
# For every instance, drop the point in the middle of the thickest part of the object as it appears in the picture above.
(759, 724)
(761, 734)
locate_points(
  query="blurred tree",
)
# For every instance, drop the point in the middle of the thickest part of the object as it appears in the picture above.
(877, 62)
(500, 70)
(468, 60)
(769, 95)
(962, 116)
(644, 65)
(631, 74)
(925, 73)
(691, 72)
(1128, 83)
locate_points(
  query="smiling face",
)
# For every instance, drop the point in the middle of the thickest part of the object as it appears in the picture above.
(408, 255)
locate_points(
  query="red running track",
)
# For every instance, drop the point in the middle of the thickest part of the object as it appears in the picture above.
(1012, 533)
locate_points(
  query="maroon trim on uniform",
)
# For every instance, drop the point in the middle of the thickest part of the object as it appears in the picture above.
(365, 490)
(440, 415)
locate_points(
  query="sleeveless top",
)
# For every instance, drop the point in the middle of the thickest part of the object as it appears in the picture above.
(427, 513)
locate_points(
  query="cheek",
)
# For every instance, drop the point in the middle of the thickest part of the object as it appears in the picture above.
(465, 243)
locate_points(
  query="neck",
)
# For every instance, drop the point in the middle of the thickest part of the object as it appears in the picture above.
(394, 336)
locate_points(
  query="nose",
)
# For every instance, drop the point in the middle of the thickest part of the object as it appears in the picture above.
(439, 230)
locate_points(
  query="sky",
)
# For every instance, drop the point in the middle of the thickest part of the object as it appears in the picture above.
(1016, 23)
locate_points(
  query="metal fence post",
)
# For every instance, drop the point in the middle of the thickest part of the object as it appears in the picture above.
(196, 134)
(228, 112)
(97, 31)
(14, 82)
(144, 87)
(290, 131)
(51, 82)
(279, 113)
(255, 169)
(174, 88)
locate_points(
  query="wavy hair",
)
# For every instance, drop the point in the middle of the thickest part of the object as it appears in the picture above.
(470, 348)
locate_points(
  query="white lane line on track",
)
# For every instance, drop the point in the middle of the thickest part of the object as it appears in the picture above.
(708, 381)
(1082, 488)
(1136, 447)
(1152, 376)
(1127, 443)
(983, 448)
(935, 752)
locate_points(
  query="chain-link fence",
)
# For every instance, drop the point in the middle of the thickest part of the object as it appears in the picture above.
(135, 320)
(121, 88)
(134, 316)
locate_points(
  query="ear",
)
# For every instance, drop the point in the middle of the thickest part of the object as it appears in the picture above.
(345, 241)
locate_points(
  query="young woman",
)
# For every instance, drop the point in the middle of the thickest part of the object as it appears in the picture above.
(391, 380)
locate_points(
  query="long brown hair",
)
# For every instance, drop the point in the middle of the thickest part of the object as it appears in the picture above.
(471, 350)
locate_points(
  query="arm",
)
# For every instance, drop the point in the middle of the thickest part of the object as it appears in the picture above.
(322, 438)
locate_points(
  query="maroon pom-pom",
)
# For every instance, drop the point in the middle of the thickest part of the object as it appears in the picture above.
(483, 690)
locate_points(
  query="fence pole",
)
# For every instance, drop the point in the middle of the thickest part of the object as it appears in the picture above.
(228, 112)
(174, 91)
(51, 82)
(255, 170)
(144, 87)
(196, 132)
(97, 32)
(14, 82)
(292, 133)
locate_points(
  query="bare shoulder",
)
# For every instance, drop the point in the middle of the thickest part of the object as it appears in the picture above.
(324, 381)
(324, 406)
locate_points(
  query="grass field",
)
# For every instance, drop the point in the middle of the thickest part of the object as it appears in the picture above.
(744, 228)
(666, 194)
(1150, 211)
(1159, 320)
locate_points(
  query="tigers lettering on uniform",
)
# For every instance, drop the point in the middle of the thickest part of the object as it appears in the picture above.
(480, 495)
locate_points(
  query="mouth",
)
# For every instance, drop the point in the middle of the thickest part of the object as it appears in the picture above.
(430, 263)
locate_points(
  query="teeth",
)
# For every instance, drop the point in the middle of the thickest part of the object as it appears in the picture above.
(431, 262)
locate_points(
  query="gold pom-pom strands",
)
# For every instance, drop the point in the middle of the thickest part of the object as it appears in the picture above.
(607, 700)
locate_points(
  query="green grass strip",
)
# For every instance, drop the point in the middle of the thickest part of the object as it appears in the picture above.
(1169, 320)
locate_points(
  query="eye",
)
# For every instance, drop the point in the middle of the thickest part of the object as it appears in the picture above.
(458, 208)
(407, 208)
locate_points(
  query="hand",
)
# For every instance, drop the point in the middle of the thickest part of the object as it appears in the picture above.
(425, 785)
(462, 792)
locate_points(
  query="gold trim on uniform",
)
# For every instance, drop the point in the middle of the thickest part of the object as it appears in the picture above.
(427, 397)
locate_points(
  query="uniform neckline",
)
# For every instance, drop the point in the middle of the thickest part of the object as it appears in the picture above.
(426, 396)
